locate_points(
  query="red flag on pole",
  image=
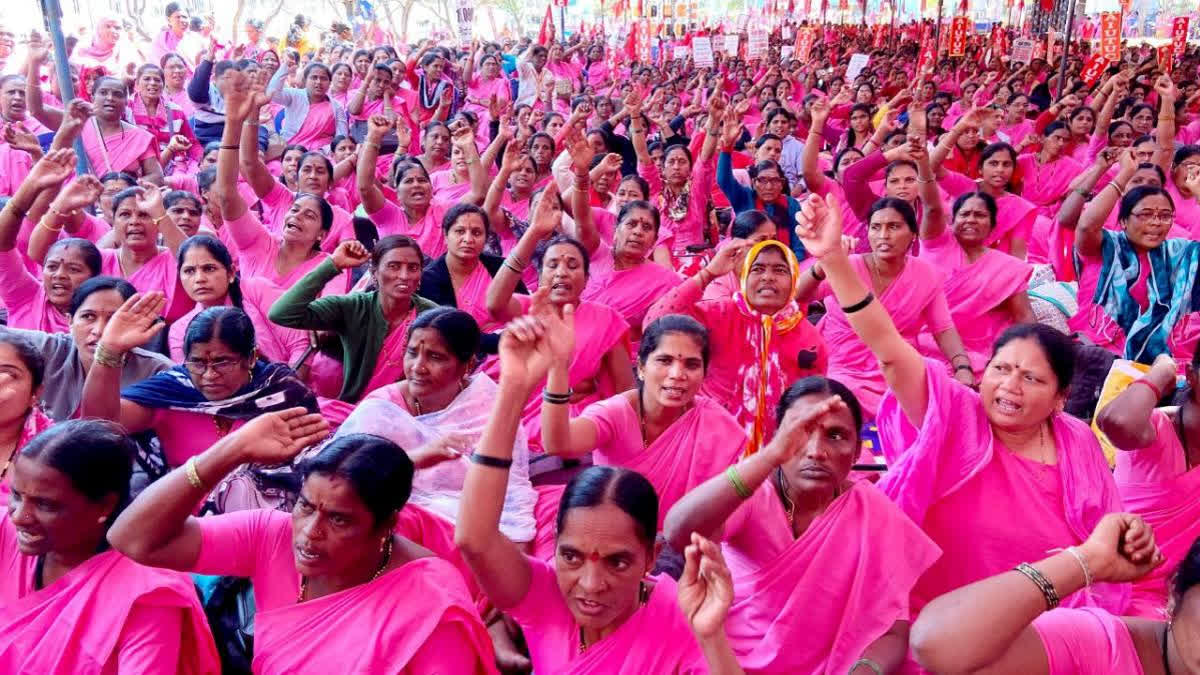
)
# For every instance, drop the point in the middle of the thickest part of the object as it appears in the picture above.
(546, 35)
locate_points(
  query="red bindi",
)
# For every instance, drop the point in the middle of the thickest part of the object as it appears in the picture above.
(595, 556)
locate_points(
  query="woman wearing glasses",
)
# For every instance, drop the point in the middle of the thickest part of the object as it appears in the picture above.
(1137, 286)
(221, 384)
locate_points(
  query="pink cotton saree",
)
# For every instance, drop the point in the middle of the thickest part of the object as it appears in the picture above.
(629, 291)
(814, 604)
(120, 152)
(1015, 215)
(84, 623)
(1087, 640)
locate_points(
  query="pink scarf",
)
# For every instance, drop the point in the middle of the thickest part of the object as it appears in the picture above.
(389, 363)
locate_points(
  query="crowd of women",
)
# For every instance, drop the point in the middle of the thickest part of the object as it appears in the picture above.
(546, 358)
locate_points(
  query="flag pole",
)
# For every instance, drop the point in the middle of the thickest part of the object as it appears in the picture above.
(52, 12)
(1062, 68)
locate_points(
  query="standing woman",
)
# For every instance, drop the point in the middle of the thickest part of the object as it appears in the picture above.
(596, 608)
(310, 117)
(956, 454)
(326, 577)
(71, 604)
(1156, 470)
(822, 566)
(371, 326)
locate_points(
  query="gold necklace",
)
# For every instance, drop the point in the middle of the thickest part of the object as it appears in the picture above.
(383, 563)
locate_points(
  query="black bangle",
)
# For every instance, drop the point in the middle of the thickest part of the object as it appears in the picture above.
(231, 147)
(861, 304)
(812, 271)
(963, 366)
(557, 399)
(494, 462)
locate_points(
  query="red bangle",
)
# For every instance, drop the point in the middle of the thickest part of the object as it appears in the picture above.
(1158, 395)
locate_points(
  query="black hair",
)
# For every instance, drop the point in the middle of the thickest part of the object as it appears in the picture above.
(1135, 197)
(539, 253)
(764, 138)
(1185, 152)
(1055, 126)
(988, 201)
(220, 253)
(379, 471)
(89, 252)
(851, 136)
(140, 71)
(996, 148)
(97, 284)
(1057, 347)
(678, 146)
(458, 211)
(205, 179)
(313, 66)
(391, 242)
(766, 165)
(175, 196)
(780, 111)
(123, 195)
(230, 325)
(626, 489)
(173, 7)
(746, 222)
(673, 324)
(905, 209)
(29, 354)
(323, 206)
(95, 455)
(642, 183)
(896, 164)
(837, 159)
(340, 64)
(819, 384)
(640, 204)
(337, 140)
(129, 180)
(458, 329)
(1112, 128)
(313, 154)
(403, 165)
(1162, 177)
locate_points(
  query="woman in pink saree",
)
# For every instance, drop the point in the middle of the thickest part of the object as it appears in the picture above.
(22, 415)
(1022, 632)
(822, 566)
(68, 602)
(600, 362)
(597, 609)
(326, 576)
(985, 288)
(113, 144)
(1156, 472)
(487, 89)
(783, 346)
(663, 429)
(310, 117)
(1046, 175)
(1015, 214)
(954, 453)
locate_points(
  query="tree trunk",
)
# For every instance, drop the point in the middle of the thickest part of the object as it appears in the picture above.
(237, 21)
(271, 16)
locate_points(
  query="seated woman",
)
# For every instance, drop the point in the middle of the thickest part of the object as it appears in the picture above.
(663, 429)
(510, 198)
(985, 288)
(310, 117)
(371, 325)
(32, 303)
(749, 228)
(68, 602)
(760, 338)
(1016, 216)
(910, 289)
(179, 151)
(1156, 473)
(221, 384)
(599, 365)
(21, 416)
(327, 575)
(1017, 634)
(802, 603)
(595, 610)
(954, 454)
(69, 356)
(1046, 175)
(111, 143)
(210, 279)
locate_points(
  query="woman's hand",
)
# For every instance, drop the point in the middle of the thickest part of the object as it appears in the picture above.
(1121, 548)
(133, 324)
(151, 199)
(531, 343)
(449, 447)
(21, 138)
(52, 169)
(239, 97)
(277, 437)
(377, 127)
(966, 377)
(511, 159)
(462, 137)
(79, 193)
(819, 110)
(350, 254)
(726, 259)
(178, 143)
(793, 434)
(819, 226)
(543, 221)
(705, 588)
(580, 150)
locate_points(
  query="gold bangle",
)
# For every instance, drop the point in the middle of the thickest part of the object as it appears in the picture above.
(106, 358)
(42, 224)
(189, 470)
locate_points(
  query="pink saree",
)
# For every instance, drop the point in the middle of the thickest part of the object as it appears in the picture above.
(107, 615)
(1155, 483)
(471, 297)
(654, 639)
(808, 605)
(1087, 640)
(318, 127)
(24, 297)
(389, 364)
(1046, 185)
(123, 152)
(974, 292)
(359, 629)
(915, 301)
(629, 291)
(1015, 215)
(947, 473)
(704, 441)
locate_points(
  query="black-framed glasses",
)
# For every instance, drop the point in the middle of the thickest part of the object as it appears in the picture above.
(198, 367)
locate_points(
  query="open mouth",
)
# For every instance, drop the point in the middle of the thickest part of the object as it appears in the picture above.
(29, 539)
(588, 607)
(1008, 406)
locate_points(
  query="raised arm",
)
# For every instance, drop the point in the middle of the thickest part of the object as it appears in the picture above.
(250, 160)
(240, 107)
(814, 178)
(463, 137)
(48, 173)
(952, 635)
(1089, 233)
(1167, 95)
(500, 302)
(158, 528)
(492, 203)
(933, 217)
(49, 116)
(65, 214)
(151, 201)
(365, 181)
(1081, 190)
(819, 228)
(1126, 419)
(1118, 86)
(581, 208)
(133, 325)
(946, 143)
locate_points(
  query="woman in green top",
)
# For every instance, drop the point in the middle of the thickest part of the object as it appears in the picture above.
(371, 325)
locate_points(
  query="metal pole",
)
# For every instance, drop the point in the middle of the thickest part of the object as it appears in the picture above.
(937, 37)
(562, 21)
(1062, 68)
(52, 13)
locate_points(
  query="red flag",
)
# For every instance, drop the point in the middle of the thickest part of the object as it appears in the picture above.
(1179, 33)
(546, 35)
(1110, 36)
(1094, 68)
(1166, 57)
(958, 35)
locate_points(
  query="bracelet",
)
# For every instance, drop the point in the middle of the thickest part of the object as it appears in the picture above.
(926, 181)
(372, 144)
(1087, 573)
(60, 214)
(160, 219)
(868, 663)
(514, 269)
(860, 305)
(963, 366)
(494, 462)
(557, 399)
(250, 123)
(735, 480)
(106, 358)
(517, 260)
(189, 470)
(1120, 190)
(42, 224)
(701, 274)
(1041, 582)
(812, 271)
(231, 147)
(1158, 394)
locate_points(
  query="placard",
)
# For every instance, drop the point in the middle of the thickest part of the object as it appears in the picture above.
(731, 45)
(805, 39)
(702, 52)
(1094, 68)
(1179, 33)
(1110, 36)
(857, 63)
(756, 47)
(958, 35)
(465, 11)
(1166, 57)
(1022, 50)
(680, 52)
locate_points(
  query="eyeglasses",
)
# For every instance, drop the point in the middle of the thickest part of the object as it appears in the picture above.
(198, 367)
(1160, 216)
(769, 180)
